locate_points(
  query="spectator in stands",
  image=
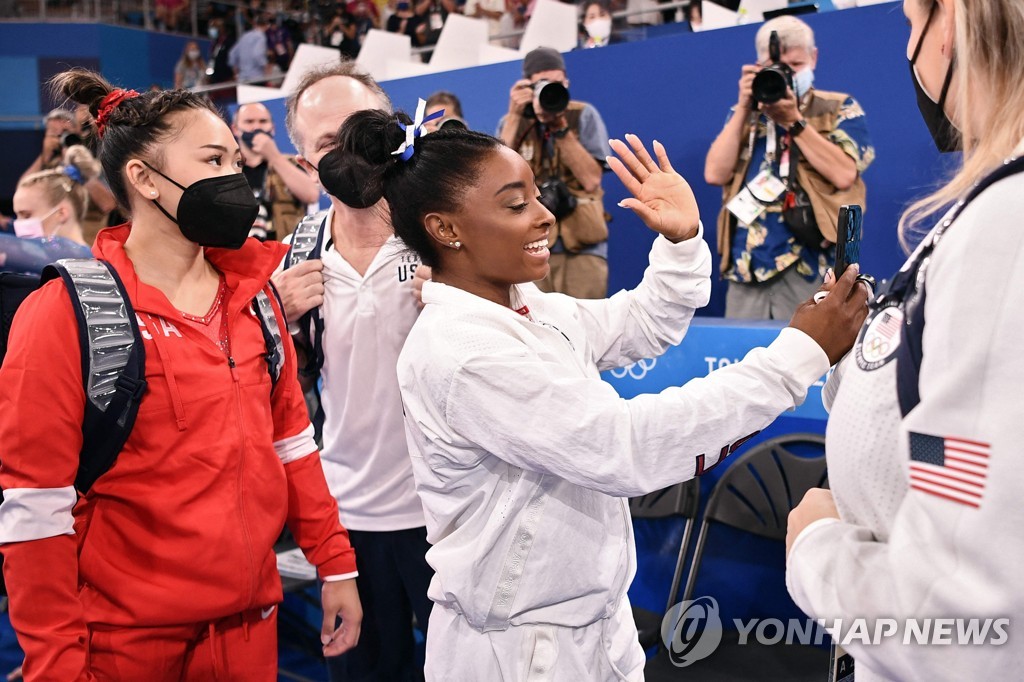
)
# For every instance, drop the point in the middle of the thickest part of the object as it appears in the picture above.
(367, 308)
(346, 30)
(175, 578)
(597, 25)
(279, 42)
(171, 14)
(248, 57)
(566, 150)
(496, 12)
(449, 103)
(409, 18)
(520, 11)
(808, 148)
(223, 35)
(281, 185)
(695, 15)
(190, 71)
(437, 13)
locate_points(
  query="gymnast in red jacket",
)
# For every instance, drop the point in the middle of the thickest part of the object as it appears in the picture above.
(165, 569)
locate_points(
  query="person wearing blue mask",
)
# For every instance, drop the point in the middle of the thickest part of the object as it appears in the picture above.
(787, 159)
(282, 186)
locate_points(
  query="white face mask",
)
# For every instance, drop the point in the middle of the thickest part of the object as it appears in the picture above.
(193, 54)
(32, 228)
(599, 29)
(802, 82)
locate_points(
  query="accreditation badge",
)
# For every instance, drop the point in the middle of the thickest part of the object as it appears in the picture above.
(841, 665)
(880, 337)
(755, 197)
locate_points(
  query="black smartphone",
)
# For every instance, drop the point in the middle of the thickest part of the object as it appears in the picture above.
(848, 234)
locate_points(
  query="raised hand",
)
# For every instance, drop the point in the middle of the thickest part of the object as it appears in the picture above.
(661, 197)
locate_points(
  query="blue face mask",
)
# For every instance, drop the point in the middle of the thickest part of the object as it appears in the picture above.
(802, 82)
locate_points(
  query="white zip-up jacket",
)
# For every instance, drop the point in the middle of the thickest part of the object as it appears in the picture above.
(523, 456)
(926, 559)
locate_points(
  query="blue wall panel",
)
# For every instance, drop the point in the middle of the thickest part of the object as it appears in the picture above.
(678, 89)
(19, 85)
(124, 57)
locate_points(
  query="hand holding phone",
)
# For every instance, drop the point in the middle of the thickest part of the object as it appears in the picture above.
(848, 234)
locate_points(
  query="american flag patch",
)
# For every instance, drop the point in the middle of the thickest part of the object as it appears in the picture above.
(890, 325)
(951, 468)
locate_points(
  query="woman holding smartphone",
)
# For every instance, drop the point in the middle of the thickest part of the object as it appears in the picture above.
(923, 517)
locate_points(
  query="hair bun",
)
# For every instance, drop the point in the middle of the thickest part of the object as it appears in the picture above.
(354, 180)
(354, 170)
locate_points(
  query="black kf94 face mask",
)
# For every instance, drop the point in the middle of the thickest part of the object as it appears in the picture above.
(216, 212)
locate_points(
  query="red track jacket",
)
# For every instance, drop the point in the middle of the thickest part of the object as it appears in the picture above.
(181, 529)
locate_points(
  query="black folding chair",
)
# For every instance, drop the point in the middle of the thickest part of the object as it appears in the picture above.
(755, 495)
(679, 500)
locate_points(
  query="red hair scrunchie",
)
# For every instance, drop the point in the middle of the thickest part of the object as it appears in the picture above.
(108, 104)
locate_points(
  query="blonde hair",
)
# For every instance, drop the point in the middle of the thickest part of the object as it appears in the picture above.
(792, 33)
(59, 184)
(989, 48)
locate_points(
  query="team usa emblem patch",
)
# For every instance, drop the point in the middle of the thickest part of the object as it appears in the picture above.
(955, 469)
(879, 338)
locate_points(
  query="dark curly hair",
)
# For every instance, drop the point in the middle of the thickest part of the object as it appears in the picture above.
(361, 169)
(134, 127)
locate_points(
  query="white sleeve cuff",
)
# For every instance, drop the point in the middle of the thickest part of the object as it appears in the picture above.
(297, 446)
(37, 513)
(339, 578)
(807, 360)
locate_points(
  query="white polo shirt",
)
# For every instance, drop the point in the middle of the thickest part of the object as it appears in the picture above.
(366, 319)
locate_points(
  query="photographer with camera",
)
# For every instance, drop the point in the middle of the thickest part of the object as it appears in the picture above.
(65, 129)
(788, 158)
(59, 125)
(281, 185)
(565, 142)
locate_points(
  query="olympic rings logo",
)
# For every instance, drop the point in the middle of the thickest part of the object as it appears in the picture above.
(876, 347)
(637, 370)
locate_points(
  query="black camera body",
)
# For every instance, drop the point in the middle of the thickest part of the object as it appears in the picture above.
(69, 139)
(771, 82)
(548, 96)
(557, 198)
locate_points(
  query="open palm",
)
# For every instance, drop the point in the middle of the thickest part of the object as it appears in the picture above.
(661, 197)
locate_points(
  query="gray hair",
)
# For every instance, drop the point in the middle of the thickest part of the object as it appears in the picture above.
(347, 68)
(792, 33)
(59, 115)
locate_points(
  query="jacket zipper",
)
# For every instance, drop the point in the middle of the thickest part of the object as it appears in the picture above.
(241, 471)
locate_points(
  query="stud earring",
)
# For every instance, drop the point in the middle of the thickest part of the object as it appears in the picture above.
(152, 194)
(455, 245)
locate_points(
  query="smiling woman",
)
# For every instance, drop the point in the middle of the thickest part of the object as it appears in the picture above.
(522, 455)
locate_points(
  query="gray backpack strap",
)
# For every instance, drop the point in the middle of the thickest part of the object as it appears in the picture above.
(307, 239)
(113, 361)
(272, 334)
(107, 320)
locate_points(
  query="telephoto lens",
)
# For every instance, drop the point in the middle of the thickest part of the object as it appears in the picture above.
(771, 82)
(548, 96)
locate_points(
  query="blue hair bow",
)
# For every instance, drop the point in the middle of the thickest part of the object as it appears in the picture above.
(407, 147)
